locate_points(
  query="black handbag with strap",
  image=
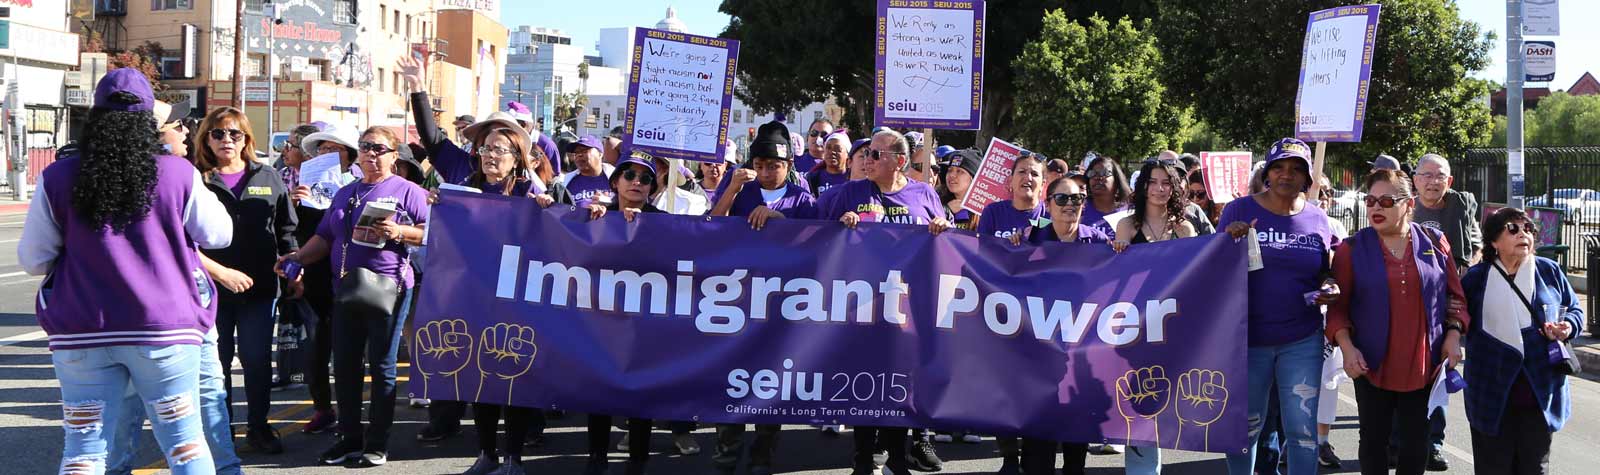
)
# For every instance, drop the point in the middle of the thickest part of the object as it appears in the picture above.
(363, 291)
(1562, 361)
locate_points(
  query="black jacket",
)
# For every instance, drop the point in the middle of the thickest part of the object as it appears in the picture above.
(264, 227)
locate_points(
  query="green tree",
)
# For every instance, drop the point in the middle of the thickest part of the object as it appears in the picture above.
(795, 52)
(1563, 120)
(1093, 86)
(1238, 64)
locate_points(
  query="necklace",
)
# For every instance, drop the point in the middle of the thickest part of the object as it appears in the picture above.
(1397, 250)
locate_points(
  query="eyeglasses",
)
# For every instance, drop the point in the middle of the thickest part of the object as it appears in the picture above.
(230, 134)
(1515, 229)
(494, 151)
(374, 148)
(819, 133)
(329, 147)
(1099, 174)
(639, 176)
(1385, 201)
(1432, 176)
(879, 154)
(1066, 199)
(1197, 194)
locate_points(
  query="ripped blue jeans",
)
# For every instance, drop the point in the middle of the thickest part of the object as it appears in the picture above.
(1294, 371)
(94, 382)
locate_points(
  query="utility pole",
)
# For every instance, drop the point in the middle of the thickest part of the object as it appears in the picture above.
(1515, 182)
(238, 57)
(272, 71)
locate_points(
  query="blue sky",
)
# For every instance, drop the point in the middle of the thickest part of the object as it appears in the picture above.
(585, 21)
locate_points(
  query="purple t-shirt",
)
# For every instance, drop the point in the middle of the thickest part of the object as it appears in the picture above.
(1092, 217)
(586, 190)
(234, 181)
(1086, 234)
(411, 203)
(1001, 220)
(796, 203)
(824, 180)
(805, 162)
(1294, 251)
(917, 203)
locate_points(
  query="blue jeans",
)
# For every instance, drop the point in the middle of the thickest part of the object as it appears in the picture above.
(1142, 460)
(376, 338)
(125, 437)
(1294, 372)
(94, 382)
(245, 328)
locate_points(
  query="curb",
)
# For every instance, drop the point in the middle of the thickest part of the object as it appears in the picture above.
(13, 208)
(1587, 350)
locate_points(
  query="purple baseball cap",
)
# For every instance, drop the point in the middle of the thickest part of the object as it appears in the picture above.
(1290, 149)
(126, 90)
(585, 141)
(637, 158)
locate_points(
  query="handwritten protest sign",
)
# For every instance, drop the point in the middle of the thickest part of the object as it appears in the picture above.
(930, 64)
(1227, 174)
(990, 184)
(1335, 71)
(680, 94)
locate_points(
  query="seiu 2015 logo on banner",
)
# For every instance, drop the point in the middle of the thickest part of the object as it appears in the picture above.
(788, 384)
(1279, 240)
(909, 106)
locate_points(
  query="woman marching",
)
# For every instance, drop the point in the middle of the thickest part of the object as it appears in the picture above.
(1014, 217)
(1286, 292)
(1108, 193)
(125, 301)
(1158, 205)
(1521, 306)
(372, 279)
(959, 170)
(1402, 312)
(263, 228)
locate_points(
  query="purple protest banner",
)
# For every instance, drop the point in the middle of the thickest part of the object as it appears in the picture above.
(1335, 72)
(680, 95)
(810, 322)
(929, 64)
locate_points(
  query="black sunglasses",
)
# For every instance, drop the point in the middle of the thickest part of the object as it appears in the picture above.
(879, 155)
(1385, 201)
(374, 148)
(1197, 195)
(819, 133)
(233, 134)
(636, 175)
(1068, 199)
(1515, 229)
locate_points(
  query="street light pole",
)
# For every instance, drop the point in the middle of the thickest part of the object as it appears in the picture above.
(271, 11)
(1515, 182)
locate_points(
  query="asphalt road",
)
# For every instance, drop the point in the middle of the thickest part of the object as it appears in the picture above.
(30, 423)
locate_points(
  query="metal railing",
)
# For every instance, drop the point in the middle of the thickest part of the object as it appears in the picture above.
(1482, 172)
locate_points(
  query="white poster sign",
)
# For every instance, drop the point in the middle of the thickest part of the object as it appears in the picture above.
(1539, 59)
(1541, 17)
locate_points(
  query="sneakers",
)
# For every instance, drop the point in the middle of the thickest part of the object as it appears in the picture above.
(1106, 449)
(831, 430)
(277, 387)
(373, 458)
(320, 422)
(343, 451)
(1010, 466)
(1436, 461)
(420, 403)
(922, 458)
(971, 438)
(864, 470)
(534, 440)
(1326, 456)
(943, 437)
(486, 464)
(432, 433)
(686, 444)
(623, 445)
(509, 469)
(264, 441)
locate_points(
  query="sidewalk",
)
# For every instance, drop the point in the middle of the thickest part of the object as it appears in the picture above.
(1587, 346)
(10, 206)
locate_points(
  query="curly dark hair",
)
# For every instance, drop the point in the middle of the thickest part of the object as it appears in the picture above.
(116, 183)
(1176, 203)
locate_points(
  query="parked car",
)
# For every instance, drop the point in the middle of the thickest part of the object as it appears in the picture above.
(275, 147)
(1581, 205)
(1345, 203)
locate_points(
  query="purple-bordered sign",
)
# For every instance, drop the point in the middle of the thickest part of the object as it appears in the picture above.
(930, 64)
(680, 95)
(1335, 72)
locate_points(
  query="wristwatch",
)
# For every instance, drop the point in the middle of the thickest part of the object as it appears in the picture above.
(1454, 325)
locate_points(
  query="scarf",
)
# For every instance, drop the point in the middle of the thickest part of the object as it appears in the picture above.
(1504, 316)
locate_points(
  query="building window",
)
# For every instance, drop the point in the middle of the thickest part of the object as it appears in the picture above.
(253, 6)
(158, 5)
(255, 66)
(557, 87)
(380, 80)
(171, 67)
(344, 12)
(620, 111)
(816, 115)
(396, 23)
(383, 17)
(322, 68)
(408, 26)
(738, 116)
